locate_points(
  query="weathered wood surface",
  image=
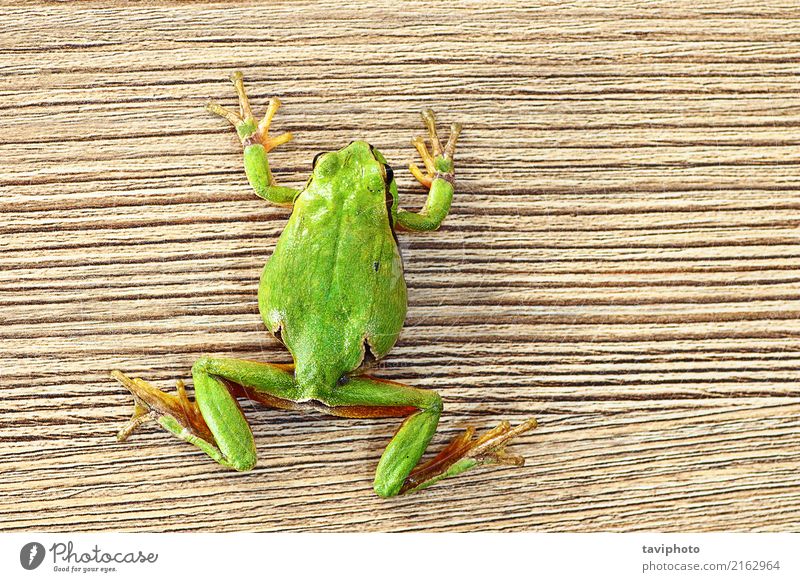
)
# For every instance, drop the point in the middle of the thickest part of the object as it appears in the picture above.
(621, 260)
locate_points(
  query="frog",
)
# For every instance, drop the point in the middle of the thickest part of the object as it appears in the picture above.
(333, 293)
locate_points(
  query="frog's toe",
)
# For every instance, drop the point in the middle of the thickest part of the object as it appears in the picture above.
(218, 109)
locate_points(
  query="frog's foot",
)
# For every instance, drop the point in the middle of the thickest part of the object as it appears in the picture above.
(439, 164)
(250, 131)
(464, 452)
(175, 412)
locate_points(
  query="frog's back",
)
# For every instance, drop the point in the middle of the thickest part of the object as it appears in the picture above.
(333, 290)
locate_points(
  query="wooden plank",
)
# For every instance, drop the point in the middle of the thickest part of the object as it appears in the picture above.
(621, 260)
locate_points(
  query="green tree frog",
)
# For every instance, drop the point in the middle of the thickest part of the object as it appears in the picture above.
(333, 293)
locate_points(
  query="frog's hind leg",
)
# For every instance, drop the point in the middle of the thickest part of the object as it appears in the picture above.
(215, 422)
(398, 471)
(176, 413)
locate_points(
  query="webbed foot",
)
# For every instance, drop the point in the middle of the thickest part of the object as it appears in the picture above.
(464, 452)
(150, 403)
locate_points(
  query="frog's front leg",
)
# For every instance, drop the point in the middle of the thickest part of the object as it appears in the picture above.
(214, 422)
(439, 178)
(257, 144)
(398, 471)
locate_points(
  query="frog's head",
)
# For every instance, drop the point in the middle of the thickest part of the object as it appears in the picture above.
(357, 164)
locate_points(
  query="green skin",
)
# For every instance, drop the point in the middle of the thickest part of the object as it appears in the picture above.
(334, 294)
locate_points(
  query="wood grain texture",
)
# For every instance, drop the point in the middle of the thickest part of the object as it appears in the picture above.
(621, 260)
